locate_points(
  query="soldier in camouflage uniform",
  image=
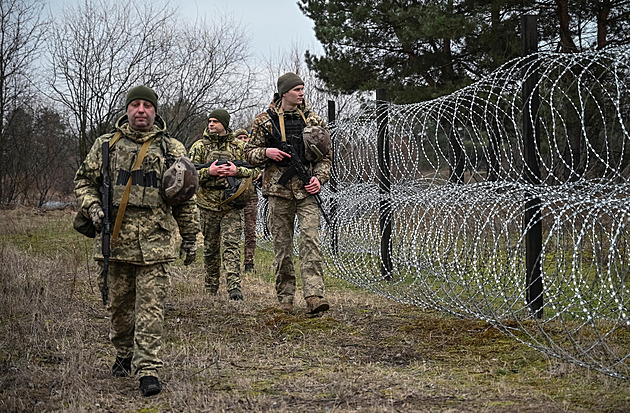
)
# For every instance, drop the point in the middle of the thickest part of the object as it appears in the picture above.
(249, 217)
(147, 240)
(220, 221)
(286, 118)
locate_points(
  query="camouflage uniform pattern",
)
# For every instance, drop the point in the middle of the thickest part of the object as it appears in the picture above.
(212, 188)
(136, 307)
(222, 227)
(287, 202)
(138, 274)
(149, 228)
(282, 214)
(257, 145)
(220, 223)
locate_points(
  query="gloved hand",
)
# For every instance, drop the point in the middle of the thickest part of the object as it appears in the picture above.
(189, 248)
(96, 215)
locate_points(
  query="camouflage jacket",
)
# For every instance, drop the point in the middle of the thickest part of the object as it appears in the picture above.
(148, 234)
(265, 135)
(212, 147)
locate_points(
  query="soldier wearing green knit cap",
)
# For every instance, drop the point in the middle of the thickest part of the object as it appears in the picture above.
(145, 236)
(220, 214)
(283, 123)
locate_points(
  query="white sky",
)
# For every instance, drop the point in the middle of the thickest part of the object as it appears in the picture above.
(272, 25)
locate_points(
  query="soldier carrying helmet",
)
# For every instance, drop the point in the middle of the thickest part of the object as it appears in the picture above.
(150, 203)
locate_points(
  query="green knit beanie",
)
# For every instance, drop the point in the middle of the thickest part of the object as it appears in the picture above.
(287, 82)
(144, 93)
(222, 116)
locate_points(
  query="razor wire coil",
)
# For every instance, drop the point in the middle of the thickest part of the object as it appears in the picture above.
(459, 193)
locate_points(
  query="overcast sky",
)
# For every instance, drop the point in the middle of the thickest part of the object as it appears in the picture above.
(273, 25)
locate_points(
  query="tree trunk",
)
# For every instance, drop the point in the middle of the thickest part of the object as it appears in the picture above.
(602, 24)
(566, 40)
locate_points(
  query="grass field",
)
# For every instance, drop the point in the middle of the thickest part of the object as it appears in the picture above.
(367, 354)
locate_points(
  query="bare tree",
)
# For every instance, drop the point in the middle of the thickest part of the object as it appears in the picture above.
(317, 94)
(209, 69)
(102, 48)
(97, 51)
(21, 28)
(51, 173)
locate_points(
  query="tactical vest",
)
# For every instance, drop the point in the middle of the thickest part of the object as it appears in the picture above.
(146, 182)
(216, 155)
(293, 126)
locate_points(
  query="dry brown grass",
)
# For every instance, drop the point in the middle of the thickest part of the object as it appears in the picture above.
(367, 354)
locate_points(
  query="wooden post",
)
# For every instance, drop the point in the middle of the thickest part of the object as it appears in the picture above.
(384, 183)
(333, 179)
(531, 146)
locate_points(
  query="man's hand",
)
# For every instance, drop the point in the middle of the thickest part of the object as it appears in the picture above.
(96, 215)
(223, 170)
(276, 154)
(189, 248)
(313, 186)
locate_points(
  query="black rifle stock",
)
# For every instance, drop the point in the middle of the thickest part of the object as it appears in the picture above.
(106, 231)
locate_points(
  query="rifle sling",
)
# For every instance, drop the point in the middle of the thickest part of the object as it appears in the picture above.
(244, 184)
(125, 197)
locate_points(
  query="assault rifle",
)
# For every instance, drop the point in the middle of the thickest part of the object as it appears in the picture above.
(232, 181)
(223, 162)
(297, 168)
(106, 231)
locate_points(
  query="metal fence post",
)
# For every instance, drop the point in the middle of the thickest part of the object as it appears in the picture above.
(384, 183)
(531, 146)
(333, 178)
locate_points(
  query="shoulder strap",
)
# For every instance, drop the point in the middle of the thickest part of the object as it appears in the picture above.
(114, 139)
(281, 116)
(125, 197)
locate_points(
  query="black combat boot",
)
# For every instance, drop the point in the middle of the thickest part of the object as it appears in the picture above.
(150, 385)
(235, 294)
(249, 267)
(122, 367)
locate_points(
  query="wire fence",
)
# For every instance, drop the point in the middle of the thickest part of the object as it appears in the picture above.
(454, 220)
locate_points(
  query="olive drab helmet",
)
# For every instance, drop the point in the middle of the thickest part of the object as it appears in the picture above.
(180, 181)
(317, 143)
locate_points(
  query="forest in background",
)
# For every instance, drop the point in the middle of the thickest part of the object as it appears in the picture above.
(63, 78)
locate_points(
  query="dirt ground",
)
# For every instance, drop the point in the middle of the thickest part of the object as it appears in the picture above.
(367, 354)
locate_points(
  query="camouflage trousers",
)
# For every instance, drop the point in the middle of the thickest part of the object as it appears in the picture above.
(249, 229)
(221, 231)
(136, 308)
(282, 213)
